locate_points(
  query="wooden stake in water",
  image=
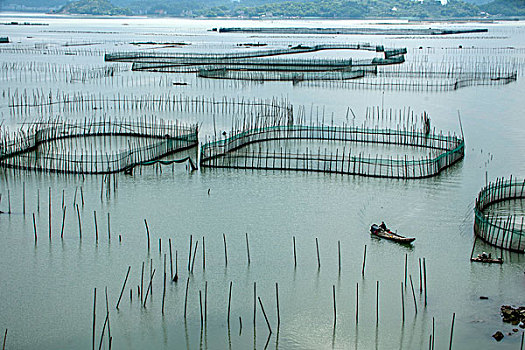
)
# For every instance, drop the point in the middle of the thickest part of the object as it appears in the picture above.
(451, 331)
(94, 314)
(433, 336)
(335, 307)
(265, 317)
(294, 253)
(63, 222)
(364, 262)
(123, 286)
(149, 287)
(357, 303)
(96, 226)
(164, 290)
(225, 250)
(203, 254)
(205, 302)
(402, 303)
(147, 232)
(200, 303)
(194, 255)
(171, 261)
(5, 337)
(377, 303)
(49, 212)
(109, 228)
(339, 254)
(254, 303)
(425, 278)
(79, 223)
(413, 294)
(317, 249)
(277, 300)
(247, 248)
(176, 277)
(420, 278)
(142, 284)
(229, 302)
(24, 198)
(189, 252)
(406, 263)
(186, 298)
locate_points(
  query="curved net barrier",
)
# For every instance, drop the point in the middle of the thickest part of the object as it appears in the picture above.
(195, 58)
(255, 65)
(48, 146)
(229, 152)
(504, 231)
(295, 76)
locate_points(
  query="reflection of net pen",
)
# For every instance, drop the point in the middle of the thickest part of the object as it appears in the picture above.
(228, 153)
(30, 150)
(501, 231)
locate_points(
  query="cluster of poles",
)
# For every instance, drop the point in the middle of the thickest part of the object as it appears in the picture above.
(51, 50)
(51, 72)
(506, 232)
(173, 277)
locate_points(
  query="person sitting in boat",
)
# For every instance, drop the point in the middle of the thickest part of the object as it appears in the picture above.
(383, 226)
(484, 255)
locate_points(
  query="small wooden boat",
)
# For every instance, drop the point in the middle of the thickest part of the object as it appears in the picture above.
(376, 230)
(487, 259)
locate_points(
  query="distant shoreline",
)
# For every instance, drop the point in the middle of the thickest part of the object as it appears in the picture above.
(409, 20)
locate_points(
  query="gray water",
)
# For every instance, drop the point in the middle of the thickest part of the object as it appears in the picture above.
(47, 287)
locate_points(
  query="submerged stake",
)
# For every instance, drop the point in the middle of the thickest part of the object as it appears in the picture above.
(124, 286)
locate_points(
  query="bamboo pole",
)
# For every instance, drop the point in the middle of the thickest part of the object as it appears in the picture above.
(265, 317)
(294, 253)
(186, 298)
(247, 249)
(94, 315)
(364, 262)
(357, 303)
(164, 289)
(229, 302)
(123, 286)
(317, 249)
(425, 279)
(34, 228)
(149, 288)
(63, 222)
(171, 261)
(335, 307)
(413, 294)
(451, 331)
(377, 303)
(402, 303)
(225, 251)
(147, 232)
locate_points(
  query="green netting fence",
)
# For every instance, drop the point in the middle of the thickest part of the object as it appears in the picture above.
(501, 231)
(228, 152)
(25, 151)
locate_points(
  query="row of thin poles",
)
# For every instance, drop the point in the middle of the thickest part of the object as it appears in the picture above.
(26, 102)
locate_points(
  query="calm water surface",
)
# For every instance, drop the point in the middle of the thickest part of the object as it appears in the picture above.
(47, 288)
